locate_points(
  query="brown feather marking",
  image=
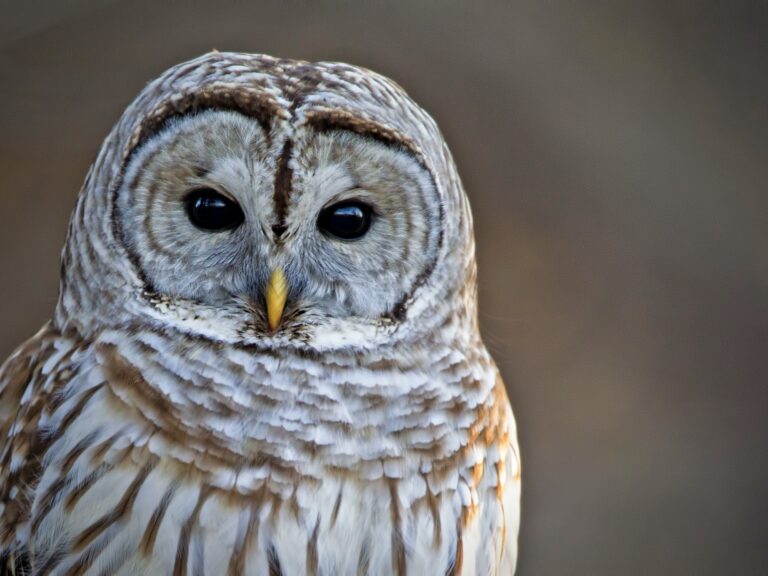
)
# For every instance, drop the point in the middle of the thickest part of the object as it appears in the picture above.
(79, 490)
(16, 373)
(398, 546)
(87, 557)
(242, 542)
(147, 544)
(69, 460)
(312, 554)
(182, 551)
(49, 562)
(283, 186)
(101, 449)
(136, 393)
(455, 568)
(434, 509)
(273, 562)
(48, 499)
(119, 512)
(337, 505)
(82, 487)
(293, 504)
(110, 528)
(254, 103)
(70, 416)
(325, 120)
(489, 426)
(363, 563)
(500, 496)
(74, 495)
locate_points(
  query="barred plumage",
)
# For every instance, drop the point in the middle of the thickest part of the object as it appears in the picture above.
(163, 423)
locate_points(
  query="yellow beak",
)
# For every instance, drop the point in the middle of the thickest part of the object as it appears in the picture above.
(276, 294)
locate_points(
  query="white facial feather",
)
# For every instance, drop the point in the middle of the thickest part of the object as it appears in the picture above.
(361, 280)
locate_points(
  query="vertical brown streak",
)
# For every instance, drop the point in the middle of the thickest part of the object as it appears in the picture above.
(82, 487)
(455, 568)
(46, 564)
(101, 449)
(240, 550)
(500, 496)
(293, 504)
(198, 547)
(48, 500)
(119, 512)
(398, 547)
(337, 505)
(147, 544)
(22, 370)
(72, 456)
(363, 563)
(116, 562)
(273, 562)
(182, 550)
(86, 559)
(274, 512)
(434, 509)
(283, 187)
(70, 417)
(102, 538)
(312, 554)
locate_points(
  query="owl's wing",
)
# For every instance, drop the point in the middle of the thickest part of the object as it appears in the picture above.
(22, 402)
(508, 471)
(16, 373)
(510, 498)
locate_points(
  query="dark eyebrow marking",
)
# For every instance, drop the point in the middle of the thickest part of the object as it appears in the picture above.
(258, 106)
(283, 187)
(200, 171)
(330, 120)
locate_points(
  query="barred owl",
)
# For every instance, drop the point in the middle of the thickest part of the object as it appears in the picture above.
(265, 356)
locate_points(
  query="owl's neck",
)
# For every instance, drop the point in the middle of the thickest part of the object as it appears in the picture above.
(391, 409)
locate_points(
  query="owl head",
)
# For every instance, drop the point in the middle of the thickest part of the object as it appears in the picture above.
(269, 202)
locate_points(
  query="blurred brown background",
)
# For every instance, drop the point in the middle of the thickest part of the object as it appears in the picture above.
(616, 155)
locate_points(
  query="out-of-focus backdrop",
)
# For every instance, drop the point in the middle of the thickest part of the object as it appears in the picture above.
(616, 155)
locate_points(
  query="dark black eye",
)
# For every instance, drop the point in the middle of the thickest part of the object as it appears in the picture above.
(346, 220)
(209, 210)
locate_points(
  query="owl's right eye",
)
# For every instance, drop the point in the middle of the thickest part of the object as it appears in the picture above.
(212, 211)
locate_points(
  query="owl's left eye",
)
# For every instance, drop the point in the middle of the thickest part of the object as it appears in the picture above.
(209, 210)
(348, 220)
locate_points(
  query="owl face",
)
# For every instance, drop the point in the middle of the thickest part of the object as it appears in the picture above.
(267, 203)
(214, 206)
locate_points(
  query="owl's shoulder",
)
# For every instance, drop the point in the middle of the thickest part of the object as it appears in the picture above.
(20, 376)
(28, 379)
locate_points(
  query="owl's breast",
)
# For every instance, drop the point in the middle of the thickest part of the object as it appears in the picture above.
(163, 466)
(149, 515)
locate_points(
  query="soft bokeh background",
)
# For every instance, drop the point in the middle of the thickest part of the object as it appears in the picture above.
(616, 154)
